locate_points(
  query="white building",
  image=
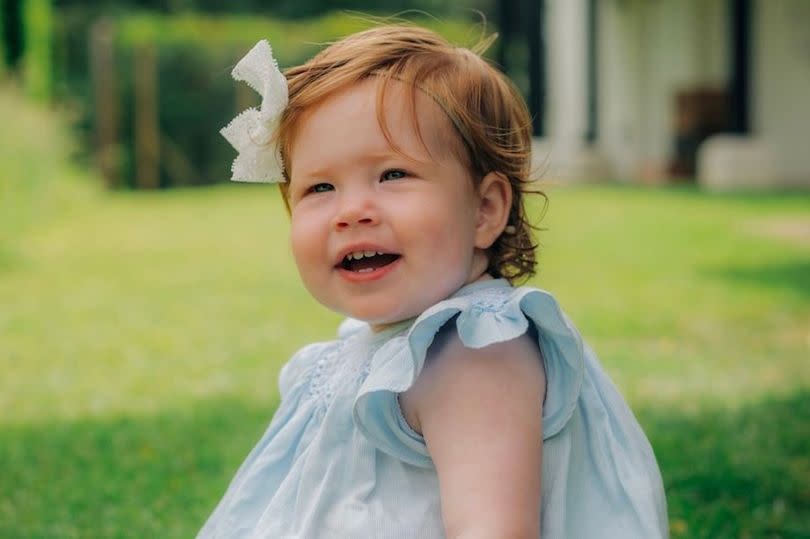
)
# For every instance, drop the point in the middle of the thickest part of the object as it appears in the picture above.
(610, 103)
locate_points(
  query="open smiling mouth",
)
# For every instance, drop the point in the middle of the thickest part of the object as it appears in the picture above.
(367, 261)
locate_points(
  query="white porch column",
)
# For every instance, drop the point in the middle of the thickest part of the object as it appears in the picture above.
(568, 155)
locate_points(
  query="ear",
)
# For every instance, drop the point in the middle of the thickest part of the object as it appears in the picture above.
(495, 201)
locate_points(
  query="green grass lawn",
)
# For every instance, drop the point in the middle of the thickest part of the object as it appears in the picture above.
(141, 335)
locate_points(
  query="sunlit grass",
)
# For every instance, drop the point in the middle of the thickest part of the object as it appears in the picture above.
(682, 293)
(141, 335)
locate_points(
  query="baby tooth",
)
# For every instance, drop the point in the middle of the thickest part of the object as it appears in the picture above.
(357, 255)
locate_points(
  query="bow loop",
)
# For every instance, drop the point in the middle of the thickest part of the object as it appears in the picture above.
(252, 131)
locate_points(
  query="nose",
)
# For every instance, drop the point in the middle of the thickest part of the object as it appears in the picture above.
(356, 209)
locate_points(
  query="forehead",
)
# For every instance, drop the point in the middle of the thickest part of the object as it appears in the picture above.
(356, 119)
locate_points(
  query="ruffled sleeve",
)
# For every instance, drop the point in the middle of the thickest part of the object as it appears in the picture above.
(484, 314)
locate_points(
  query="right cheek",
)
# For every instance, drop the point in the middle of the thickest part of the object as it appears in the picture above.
(309, 245)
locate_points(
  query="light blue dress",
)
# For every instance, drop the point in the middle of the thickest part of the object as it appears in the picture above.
(339, 460)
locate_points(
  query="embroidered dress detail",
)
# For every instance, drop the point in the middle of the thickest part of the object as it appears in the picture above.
(321, 384)
(335, 370)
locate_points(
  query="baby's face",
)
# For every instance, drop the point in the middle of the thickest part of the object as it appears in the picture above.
(376, 235)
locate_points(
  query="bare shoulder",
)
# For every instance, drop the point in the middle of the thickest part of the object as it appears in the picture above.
(480, 413)
(453, 370)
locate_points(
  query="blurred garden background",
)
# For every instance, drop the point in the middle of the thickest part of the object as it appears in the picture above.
(146, 305)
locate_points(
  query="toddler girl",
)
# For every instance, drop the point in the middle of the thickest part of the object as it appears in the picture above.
(452, 403)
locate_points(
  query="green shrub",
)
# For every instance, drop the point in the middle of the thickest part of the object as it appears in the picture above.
(38, 25)
(197, 96)
(3, 66)
(37, 182)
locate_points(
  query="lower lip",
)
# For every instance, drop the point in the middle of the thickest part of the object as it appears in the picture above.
(367, 276)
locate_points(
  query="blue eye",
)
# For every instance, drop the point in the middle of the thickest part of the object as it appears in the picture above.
(321, 188)
(393, 174)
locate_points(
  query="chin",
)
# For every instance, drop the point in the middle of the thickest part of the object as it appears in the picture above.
(380, 319)
(397, 313)
(382, 310)
(381, 316)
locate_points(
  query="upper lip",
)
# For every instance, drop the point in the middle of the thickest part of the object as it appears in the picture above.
(360, 247)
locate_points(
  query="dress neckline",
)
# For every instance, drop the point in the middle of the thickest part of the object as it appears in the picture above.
(374, 337)
(473, 287)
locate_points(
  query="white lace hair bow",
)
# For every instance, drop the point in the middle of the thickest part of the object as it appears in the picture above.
(252, 131)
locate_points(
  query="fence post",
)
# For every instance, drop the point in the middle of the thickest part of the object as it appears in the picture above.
(3, 66)
(38, 28)
(147, 130)
(102, 74)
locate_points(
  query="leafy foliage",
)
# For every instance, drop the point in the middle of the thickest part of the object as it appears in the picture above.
(38, 23)
(34, 190)
(197, 96)
(281, 8)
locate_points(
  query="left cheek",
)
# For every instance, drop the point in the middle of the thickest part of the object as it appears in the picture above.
(448, 239)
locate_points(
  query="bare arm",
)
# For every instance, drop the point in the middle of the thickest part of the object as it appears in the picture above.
(480, 412)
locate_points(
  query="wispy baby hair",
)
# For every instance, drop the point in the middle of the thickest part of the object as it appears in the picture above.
(492, 123)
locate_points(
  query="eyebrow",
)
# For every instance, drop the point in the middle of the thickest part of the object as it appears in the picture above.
(370, 158)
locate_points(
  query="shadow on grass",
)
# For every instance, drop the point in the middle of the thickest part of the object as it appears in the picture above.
(740, 474)
(153, 476)
(728, 475)
(794, 275)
